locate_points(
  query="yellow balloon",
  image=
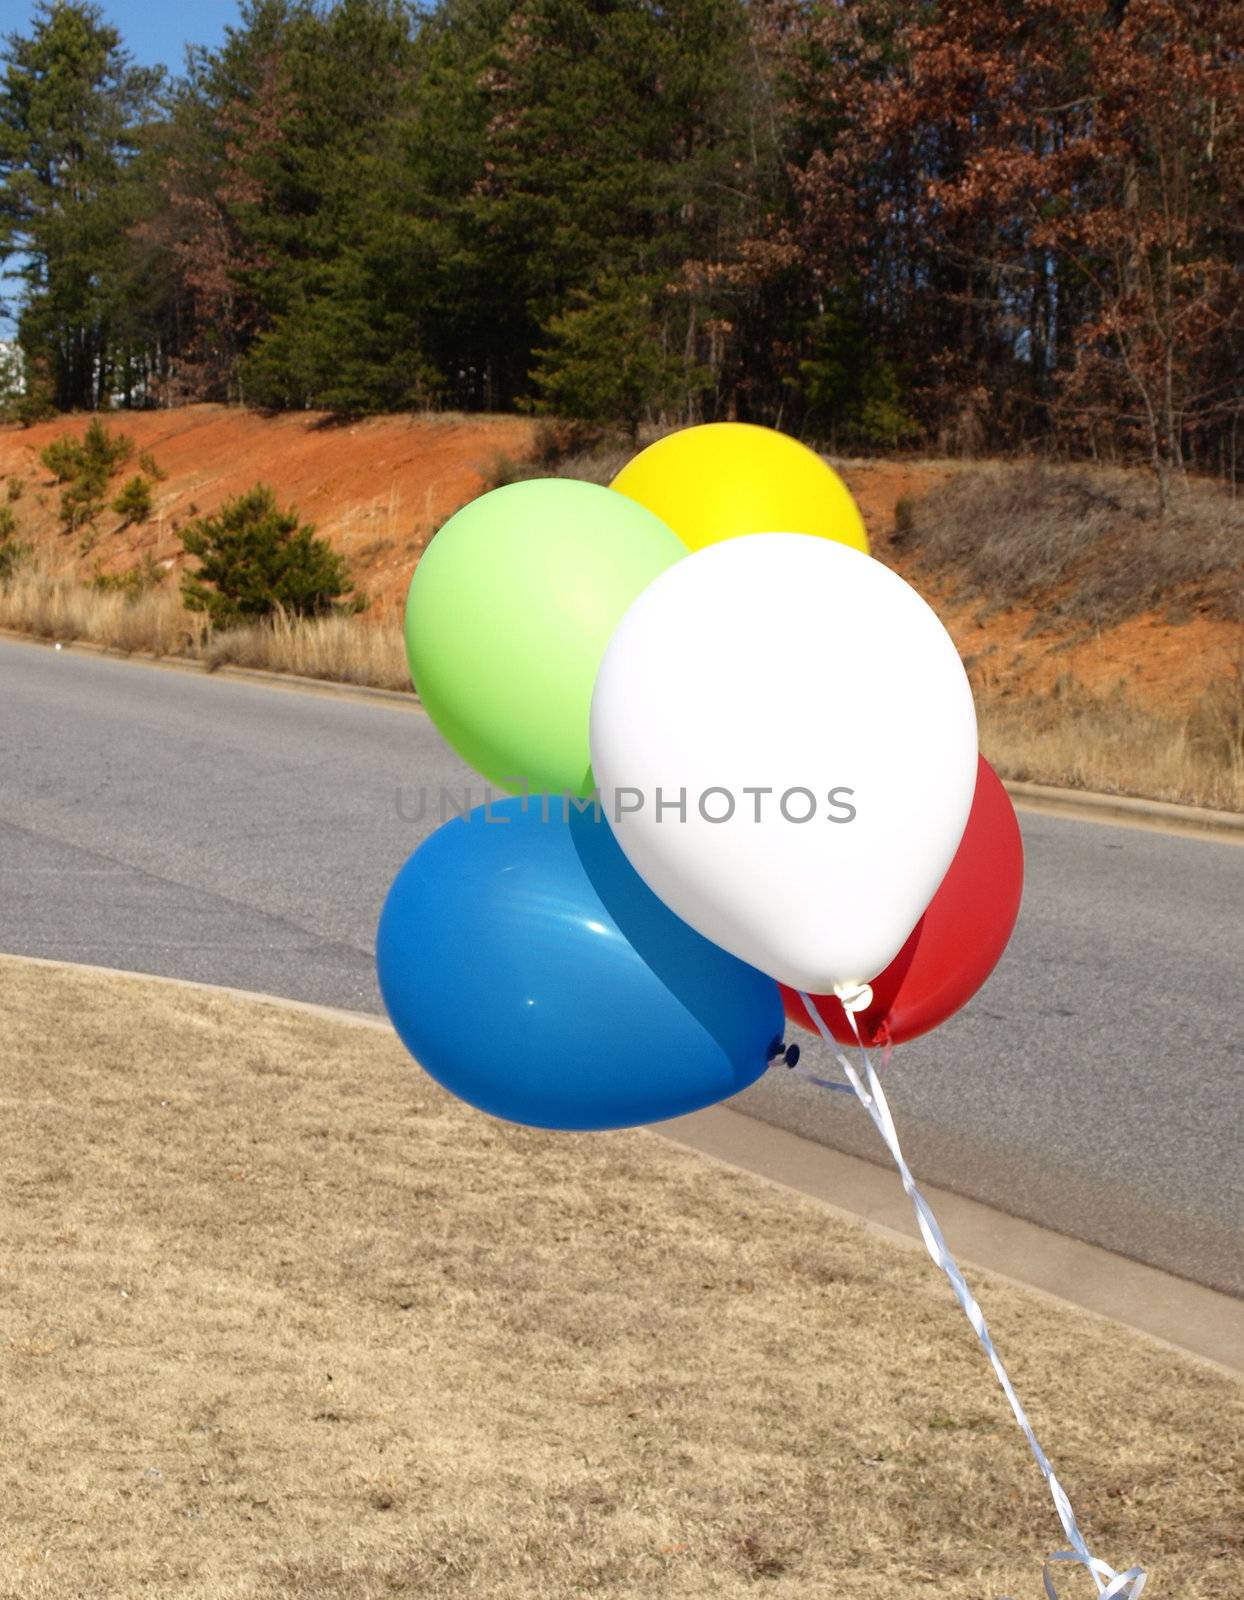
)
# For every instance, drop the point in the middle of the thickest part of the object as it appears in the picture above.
(723, 479)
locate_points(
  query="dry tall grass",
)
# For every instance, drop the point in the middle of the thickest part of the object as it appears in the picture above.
(1087, 541)
(599, 464)
(285, 1322)
(65, 608)
(346, 649)
(1114, 747)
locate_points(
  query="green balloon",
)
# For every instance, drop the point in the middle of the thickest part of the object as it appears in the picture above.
(509, 613)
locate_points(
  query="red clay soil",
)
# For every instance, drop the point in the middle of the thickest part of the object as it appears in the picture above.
(1163, 666)
(379, 488)
(878, 486)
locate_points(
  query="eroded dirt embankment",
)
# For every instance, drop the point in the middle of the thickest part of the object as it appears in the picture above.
(379, 488)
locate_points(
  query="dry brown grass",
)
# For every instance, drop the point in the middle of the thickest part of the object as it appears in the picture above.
(284, 1320)
(1111, 746)
(346, 649)
(1087, 540)
(599, 463)
(66, 608)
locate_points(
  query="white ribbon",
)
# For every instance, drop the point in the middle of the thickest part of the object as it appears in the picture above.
(1111, 1585)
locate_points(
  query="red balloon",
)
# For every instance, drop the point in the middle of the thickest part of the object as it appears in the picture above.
(957, 942)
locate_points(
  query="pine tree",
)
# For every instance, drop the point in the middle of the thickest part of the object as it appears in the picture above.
(256, 559)
(334, 244)
(72, 111)
(608, 362)
(198, 247)
(591, 140)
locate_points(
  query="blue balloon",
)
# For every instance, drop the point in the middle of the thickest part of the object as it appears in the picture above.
(533, 973)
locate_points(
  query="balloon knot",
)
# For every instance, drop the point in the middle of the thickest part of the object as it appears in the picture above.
(855, 997)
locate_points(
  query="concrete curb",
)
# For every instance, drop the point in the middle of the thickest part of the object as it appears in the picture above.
(1162, 816)
(1176, 1313)
(1173, 1312)
(399, 699)
(1122, 810)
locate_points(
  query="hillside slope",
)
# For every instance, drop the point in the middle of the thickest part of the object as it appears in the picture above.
(376, 488)
(1046, 674)
(1164, 656)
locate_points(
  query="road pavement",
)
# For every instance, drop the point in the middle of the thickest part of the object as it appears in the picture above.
(238, 833)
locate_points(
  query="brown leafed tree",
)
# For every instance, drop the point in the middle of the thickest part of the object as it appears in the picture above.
(1043, 201)
(208, 186)
(1154, 225)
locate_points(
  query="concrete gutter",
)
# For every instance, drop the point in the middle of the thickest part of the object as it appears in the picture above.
(396, 699)
(1174, 1312)
(1225, 827)
(1124, 811)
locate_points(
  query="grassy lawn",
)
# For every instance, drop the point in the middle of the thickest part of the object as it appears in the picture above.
(280, 1318)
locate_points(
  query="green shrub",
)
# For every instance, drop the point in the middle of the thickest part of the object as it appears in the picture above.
(883, 419)
(62, 458)
(108, 452)
(82, 498)
(133, 581)
(12, 553)
(14, 490)
(85, 467)
(27, 409)
(848, 384)
(255, 559)
(134, 501)
(98, 452)
(149, 465)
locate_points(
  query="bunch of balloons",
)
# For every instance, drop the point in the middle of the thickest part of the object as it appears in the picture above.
(743, 763)
(743, 766)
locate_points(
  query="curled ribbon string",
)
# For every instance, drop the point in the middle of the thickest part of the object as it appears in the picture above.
(1111, 1585)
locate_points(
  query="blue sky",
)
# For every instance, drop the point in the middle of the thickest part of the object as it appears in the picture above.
(159, 31)
(153, 30)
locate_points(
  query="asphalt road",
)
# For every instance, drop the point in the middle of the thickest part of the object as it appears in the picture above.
(236, 833)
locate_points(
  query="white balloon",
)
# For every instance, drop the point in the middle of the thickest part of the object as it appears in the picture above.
(784, 741)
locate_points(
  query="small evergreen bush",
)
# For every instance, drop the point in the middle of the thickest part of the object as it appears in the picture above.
(255, 559)
(12, 553)
(62, 457)
(84, 467)
(133, 582)
(134, 501)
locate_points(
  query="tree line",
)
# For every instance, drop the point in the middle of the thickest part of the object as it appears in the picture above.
(950, 224)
